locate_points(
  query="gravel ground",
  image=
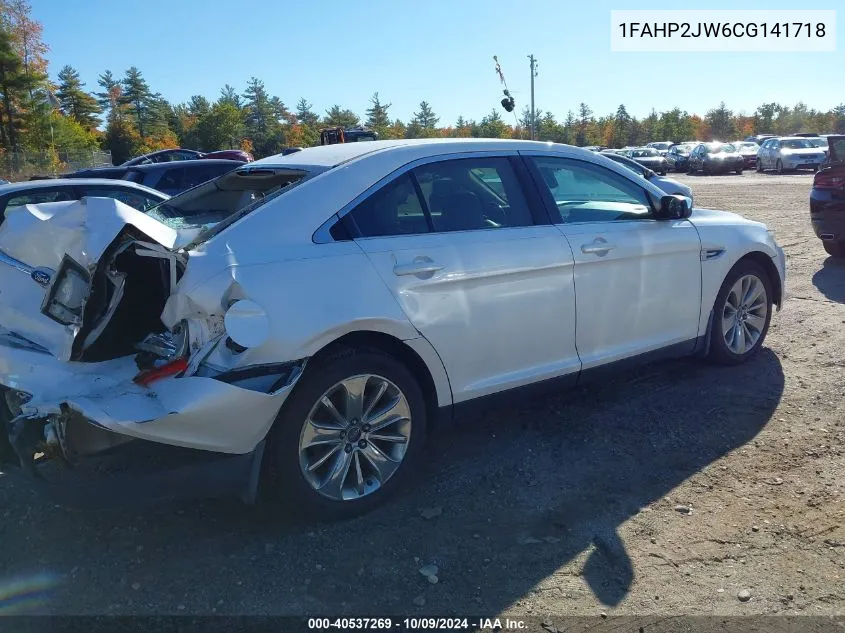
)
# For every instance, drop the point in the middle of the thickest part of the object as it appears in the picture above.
(672, 490)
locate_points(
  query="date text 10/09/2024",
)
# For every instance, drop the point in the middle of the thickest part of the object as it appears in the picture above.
(416, 624)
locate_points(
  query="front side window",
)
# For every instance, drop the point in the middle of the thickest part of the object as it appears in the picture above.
(584, 192)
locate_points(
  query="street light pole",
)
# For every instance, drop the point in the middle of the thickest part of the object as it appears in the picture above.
(533, 111)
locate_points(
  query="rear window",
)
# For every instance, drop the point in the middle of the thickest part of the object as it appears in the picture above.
(212, 206)
(797, 143)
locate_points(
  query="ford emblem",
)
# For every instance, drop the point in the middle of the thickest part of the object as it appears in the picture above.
(41, 277)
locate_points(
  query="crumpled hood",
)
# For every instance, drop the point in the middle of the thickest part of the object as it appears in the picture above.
(36, 238)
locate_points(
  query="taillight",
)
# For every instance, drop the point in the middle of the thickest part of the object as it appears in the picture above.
(173, 368)
(829, 180)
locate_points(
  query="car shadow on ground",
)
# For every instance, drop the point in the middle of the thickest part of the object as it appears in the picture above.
(510, 498)
(830, 280)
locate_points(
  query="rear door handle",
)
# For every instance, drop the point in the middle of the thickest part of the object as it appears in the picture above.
(416, 268)
(598, 246)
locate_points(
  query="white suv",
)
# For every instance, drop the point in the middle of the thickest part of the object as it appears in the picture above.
(306, 318)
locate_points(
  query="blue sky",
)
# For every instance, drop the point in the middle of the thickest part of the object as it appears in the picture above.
(441, 51)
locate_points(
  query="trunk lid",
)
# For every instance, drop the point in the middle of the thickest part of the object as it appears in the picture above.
(54, 289)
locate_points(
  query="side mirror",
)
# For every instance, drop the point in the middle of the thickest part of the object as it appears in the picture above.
(674, 208)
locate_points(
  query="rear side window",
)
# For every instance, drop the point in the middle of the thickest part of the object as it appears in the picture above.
(39, 197)
(453, 195)
(135, 199)
(198, 174)
(472, 194)
(169, 182)
(395, 209)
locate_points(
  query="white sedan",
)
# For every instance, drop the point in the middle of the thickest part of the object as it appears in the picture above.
(304, 320)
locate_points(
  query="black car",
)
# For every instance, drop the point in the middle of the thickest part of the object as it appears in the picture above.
(678, 156)
(649, 157)
(749, 152)
(715, 158)
(163, 156)
(170, 178)
(827, 199)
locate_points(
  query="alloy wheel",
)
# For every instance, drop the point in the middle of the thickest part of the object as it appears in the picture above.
(355, 437)
(744, 314)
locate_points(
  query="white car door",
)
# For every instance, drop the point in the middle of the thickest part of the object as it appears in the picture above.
(637, 279)
(475, 270)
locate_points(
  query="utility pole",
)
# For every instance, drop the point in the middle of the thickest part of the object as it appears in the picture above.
(533, 111)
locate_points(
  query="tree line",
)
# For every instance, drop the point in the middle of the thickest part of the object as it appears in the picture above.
(124, 115)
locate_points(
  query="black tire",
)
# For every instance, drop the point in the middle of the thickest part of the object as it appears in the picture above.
(719, 352)
(759, 166)
(779, 167)
(284, 480)
(739, 171)
(705, 169)
(835, 249)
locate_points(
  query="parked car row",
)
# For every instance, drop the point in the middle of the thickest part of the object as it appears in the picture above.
(761, 152)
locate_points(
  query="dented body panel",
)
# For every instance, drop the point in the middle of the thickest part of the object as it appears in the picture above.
(42, 236)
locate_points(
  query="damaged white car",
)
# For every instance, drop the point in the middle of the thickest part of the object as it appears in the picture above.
(304, 320)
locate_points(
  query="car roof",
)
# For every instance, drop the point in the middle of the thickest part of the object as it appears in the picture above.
(327, 156)
(49, 183)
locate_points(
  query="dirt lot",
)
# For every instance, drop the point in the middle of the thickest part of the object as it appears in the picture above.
(667, 491)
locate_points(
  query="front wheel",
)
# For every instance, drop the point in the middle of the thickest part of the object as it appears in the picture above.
(739, 171)
(350, 433)
(835, 249)
(741, 314)
(759, 166)
(779, 167)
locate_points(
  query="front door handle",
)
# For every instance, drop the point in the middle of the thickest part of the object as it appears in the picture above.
(416, 268)
(598, 246)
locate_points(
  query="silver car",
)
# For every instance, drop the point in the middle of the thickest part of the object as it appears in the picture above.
(789, 154)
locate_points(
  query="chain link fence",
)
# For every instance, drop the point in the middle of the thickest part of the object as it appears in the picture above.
(17, 166)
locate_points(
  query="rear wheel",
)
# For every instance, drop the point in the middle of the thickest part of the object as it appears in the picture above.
(835, 249)
(759, 166)
(739, 171)
(741, 314)
(350, 433)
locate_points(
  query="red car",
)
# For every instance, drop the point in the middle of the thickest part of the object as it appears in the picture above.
(231, 154)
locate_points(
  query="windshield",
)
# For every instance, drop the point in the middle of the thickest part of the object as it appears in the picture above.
(643, 153)
(659, 145)
(214, 205)
(797, 143)
(747, 146)
(720, 148)
(818, 142)
(684, 149)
